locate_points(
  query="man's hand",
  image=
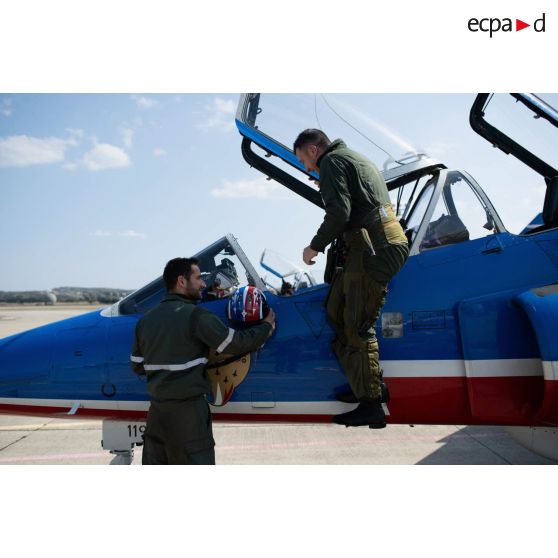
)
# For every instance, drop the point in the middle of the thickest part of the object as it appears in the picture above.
(308, 255)
(270, 319)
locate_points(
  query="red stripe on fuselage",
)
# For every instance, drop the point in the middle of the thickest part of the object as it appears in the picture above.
(441, 400)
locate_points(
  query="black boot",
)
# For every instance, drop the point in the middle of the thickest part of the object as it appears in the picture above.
(368, 413)
(385, 393)
(346, 397)
(385, 390)
(349, 396)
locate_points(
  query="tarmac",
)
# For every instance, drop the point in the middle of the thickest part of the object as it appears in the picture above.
(36, 441)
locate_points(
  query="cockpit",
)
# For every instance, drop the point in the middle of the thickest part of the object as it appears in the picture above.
(442, 209)
(436, 206)
(225, 268)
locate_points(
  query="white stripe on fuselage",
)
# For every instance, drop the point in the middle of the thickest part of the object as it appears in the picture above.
(550, 369)
(496, 368)
(232, 407)
(417, 369)
(504, 368)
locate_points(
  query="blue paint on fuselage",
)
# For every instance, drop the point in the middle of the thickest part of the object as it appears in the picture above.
(443, 278)
(468, 287)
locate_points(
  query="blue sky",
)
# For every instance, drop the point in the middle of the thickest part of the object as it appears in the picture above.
(100, 190)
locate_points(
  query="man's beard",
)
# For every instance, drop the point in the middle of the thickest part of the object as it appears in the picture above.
(194, 294)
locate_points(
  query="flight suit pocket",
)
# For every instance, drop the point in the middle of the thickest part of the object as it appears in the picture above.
(335, 300)
(392, 228)
(198, 433)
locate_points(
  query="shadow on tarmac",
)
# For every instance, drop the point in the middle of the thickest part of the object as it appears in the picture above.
(487, 445)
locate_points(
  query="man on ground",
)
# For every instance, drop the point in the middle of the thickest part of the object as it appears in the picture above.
(172, 344)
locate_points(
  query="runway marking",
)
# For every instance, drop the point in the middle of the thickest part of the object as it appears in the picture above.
(54, 457)
(46, 426)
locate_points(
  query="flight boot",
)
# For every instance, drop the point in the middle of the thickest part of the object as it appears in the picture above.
(346, 397)
(349, 396)
(368, 413)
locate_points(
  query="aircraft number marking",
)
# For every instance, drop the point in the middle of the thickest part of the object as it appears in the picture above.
(136, 430)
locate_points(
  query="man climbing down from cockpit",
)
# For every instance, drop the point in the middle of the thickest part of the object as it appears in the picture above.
(358, 208)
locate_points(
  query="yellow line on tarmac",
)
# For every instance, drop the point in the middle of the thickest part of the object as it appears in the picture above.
(45, 426)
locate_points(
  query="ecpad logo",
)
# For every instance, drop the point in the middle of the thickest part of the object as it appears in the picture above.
(494, 24)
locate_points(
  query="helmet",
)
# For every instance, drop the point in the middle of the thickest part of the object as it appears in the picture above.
(247, 305)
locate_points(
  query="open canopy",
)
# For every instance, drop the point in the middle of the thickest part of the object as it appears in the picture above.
(521, 124)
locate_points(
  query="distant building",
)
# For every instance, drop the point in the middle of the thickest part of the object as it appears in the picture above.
(64, 295)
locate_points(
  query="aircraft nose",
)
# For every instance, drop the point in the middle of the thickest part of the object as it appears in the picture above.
(24, 358)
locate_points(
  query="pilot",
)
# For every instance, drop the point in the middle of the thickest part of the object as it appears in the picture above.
(358, 208)
(214, 291)
(287, 289)
(171, 347)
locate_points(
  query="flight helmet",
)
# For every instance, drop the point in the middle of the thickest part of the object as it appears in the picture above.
(247, 305)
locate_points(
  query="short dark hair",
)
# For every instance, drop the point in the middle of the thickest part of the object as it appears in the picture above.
(311, 135)
(177, 267)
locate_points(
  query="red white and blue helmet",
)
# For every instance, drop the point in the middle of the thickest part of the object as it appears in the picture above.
(247, 305)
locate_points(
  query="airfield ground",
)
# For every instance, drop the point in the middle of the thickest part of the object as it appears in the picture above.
(32, 440)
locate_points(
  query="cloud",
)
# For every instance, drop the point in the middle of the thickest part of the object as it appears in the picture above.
(6, 107)
(70, 166)
(128, 233)
(259, 188)
(75, 133)
(219, 115)
(105, 156)
(24, 151)
(144, 102)
(440, 149)
(127, 137)
(159, 152)
(132, 234)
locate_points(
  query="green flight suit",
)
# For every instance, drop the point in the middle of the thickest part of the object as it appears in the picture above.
(171, 347)
(358, 207)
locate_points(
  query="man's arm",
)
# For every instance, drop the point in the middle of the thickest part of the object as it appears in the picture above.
(136, 358)
(335, 194)
(220, 338)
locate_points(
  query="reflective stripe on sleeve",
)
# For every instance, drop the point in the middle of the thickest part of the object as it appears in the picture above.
(136, 359)
(226, 342)
(175, 367)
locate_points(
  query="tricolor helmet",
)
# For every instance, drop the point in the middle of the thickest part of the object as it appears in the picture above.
(247, 305)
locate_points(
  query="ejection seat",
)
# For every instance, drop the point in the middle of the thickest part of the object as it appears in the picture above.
(446, 230)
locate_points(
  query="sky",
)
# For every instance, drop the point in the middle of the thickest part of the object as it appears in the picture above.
(100, 190)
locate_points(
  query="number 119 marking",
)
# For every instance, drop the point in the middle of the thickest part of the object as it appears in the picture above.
(134, 430)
